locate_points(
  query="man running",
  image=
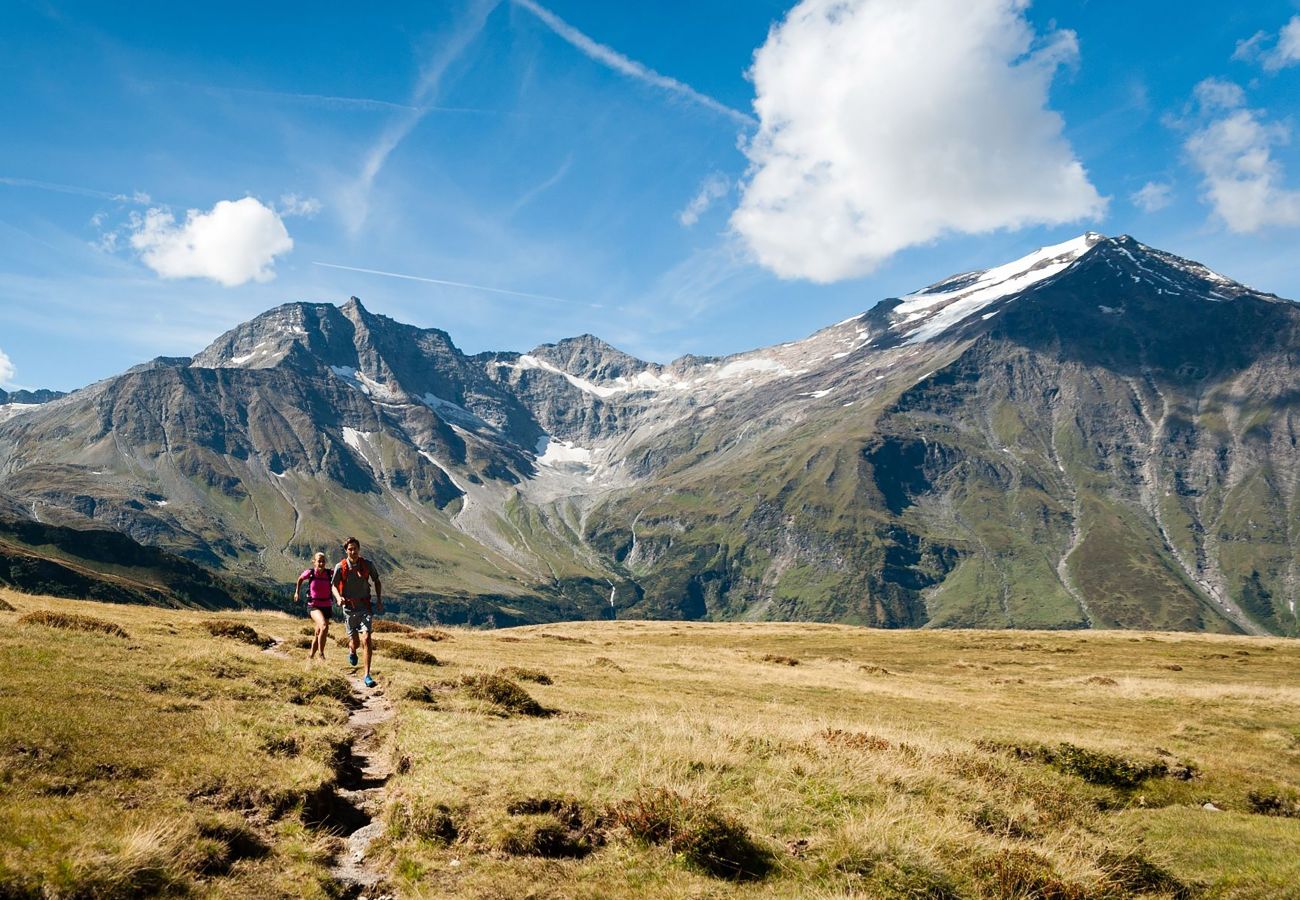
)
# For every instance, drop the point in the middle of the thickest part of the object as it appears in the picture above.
(351, 587)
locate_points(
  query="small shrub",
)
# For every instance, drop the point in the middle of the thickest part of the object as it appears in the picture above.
(605, 662)
(421, 693)
(432, 634)
(504, 693)
(1093, 766)
(703, 836)
(564, 637)
(551, 827)
(874, 670)
(225, 842)
(780, 660)
(1020, 874)
(854, 740)
(1267, 803)
(1132, 873)
(73, 622)
(237, 631)
(519, 673)
(410, 654)
(5, 605)
(1102, 680)
(382, 626)
(422, 819)
(999, 822)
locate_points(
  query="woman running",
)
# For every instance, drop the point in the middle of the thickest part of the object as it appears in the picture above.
(320, 601)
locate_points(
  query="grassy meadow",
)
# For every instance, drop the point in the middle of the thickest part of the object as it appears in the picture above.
(169, 755)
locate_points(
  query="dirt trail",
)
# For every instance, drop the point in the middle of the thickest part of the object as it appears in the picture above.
(359, 798)
(362, 787)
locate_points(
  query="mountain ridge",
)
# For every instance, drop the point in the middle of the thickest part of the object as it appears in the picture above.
(864, 473)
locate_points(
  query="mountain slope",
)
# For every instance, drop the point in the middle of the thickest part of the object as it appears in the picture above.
(1099, 434)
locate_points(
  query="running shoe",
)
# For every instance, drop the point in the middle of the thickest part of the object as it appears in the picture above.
(352, 659)
(369, 682)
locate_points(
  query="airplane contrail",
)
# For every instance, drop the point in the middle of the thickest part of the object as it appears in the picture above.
(458, 284)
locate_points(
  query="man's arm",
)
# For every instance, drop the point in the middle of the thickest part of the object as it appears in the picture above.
(335, 580)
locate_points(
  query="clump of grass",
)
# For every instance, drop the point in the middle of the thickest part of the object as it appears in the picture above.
(382, 626)
(421, 693)
(1018, 873)
(410, 654)
(564, 637)
(1095, 766)
(1103, 680)
(551, 827)
(236, 631)
(605, 662)
(1270, 803)
(1133, 873)
(854, 740)
(703, 836)
(432, 634)
(224, 842)
(503, 693)
(423, 819)
(5, 605)
(72, 621)
(780, 660)
(874, 670)
(508, 639)
(519, 673)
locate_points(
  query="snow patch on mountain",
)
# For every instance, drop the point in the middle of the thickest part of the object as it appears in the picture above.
(930, 312)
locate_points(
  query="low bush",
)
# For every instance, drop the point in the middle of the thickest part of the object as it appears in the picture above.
(703, 836)
(237, 631)
(422, 819)
(521, 674)
(1021, 874)
(780, 660)
(410, 654)
(1094, 766)
(1132, 873)
(72, 621)
(1269, 803)
(854, 740)
(382, 626)
(503, 693)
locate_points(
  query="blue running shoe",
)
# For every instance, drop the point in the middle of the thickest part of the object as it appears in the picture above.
(369, 682)
(352, 659)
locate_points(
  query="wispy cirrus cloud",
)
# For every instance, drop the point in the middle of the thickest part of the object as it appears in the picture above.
(457, 284)
(134, 197)
(357, 194)
(713, 188)
(611, 58)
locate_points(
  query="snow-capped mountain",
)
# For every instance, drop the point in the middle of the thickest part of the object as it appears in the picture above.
(1098, 433)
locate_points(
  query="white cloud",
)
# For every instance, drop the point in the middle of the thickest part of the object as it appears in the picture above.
(7, 370)
(235, 242)
(1284, 52)
(889, 123)
(1232, 149)
(1152, 196)
(1215, 93)
(714, 188)
(293, 205)
(611, 58)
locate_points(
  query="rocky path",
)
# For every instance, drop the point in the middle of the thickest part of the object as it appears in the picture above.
(359, 798)
(362, 787)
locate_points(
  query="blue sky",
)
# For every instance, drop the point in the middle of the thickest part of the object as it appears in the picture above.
(676, 177)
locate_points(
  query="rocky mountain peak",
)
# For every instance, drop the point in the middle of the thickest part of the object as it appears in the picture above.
(587, 356)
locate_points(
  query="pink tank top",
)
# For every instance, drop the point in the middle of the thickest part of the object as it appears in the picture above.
(318, 590)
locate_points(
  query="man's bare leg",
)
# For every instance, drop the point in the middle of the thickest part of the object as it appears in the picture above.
(367, 652)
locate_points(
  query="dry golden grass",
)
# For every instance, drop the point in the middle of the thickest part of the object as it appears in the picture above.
(676, 762)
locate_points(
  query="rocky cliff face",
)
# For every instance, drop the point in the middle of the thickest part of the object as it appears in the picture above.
(1100, 434)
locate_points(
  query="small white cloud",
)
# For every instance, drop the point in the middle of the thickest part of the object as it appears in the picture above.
(1216, 94)
(1284, 52)
(1232, 149)
(713, 188)
(1152, 197)
(889, 123)
(235, 242)
(293, 205)
(7, 370)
